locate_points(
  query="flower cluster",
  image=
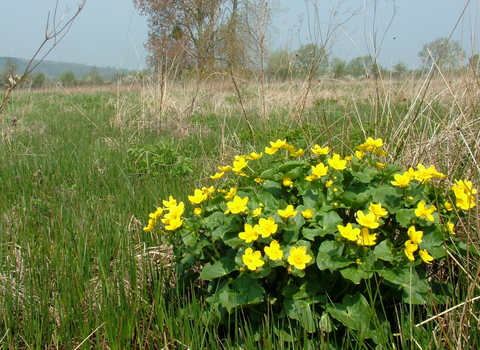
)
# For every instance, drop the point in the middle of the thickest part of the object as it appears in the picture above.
(314, 215)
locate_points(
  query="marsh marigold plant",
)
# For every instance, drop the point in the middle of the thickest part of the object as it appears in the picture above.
(301, 234)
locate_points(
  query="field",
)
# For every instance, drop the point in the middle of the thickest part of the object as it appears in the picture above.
(81, 169)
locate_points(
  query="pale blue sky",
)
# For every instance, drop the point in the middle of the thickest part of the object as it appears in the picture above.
(111, 33)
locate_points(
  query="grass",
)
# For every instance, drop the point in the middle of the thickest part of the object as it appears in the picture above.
(78, 272)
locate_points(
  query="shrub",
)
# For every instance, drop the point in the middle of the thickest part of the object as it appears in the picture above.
(316, 240)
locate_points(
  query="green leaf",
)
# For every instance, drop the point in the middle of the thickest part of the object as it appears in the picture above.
(354, 312)
(249, 291)
(220, 268)
(411, 280)
(300, 310)
(330, 256)
(405, 217)
(388, 196)
(189, 237)
(274, 189)
(383, 250)
(365, 176)
(355, 273)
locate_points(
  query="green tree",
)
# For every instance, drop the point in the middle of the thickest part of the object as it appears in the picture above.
(68, 79)
(92, 78)
(38, 80)
(338, 68)
(279, 64)
(400, 70)
(360, 66)
(311, 60)
(444, 53)
(474, 61)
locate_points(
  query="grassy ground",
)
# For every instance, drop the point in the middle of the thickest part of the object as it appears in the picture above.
(80, 171)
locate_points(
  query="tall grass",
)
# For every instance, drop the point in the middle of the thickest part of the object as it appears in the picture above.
(78, 272)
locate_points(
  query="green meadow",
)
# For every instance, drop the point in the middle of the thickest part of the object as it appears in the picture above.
(81, 169)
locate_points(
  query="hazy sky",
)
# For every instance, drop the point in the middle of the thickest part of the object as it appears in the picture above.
(111, 33)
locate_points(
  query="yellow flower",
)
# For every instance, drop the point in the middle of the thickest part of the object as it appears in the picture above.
(252, 259)
(208, 190)
(287, 182)
(254, 156)
(151, 225)
(466, 186)
(435, 173)
(279, 144)
(423, 174)
(423, 212)
(370, 144)
(368, 220)
(328, 184)
(410, 248)
(173, 223)
(402, 180)
(359, 154)
(224, 168)
(217, 175)
(349, 232)
(415, 236)
(307, 214)
(156, 214)
(297, 153)
(299, 257)
(320, 150)
(311, 178)
(450, 226)
(249, 234)
(198, 197)
(267, 227)
(237, 206)
(273, 251)
(377, 210)
(319, 170)
(448, 206)
(231, 193)
(170, 202)
(270, 150)
(256, 212)
(366, 238)
(427, 258)
(258, 180)
(239, 164)
(176, 210)
(336, 162)
(197, 211)
(380, 165)
(288, 212)
(464, 201)
(276, 145)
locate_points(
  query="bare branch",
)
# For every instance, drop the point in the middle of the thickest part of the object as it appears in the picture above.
(58, 32)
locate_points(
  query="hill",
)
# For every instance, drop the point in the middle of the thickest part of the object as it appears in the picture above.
(53, 69)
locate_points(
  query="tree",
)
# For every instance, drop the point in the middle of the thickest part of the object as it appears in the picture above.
(442, 52)
(338, 68)
(474, 61)
(311, 60)
(92, 78)
(399, 70)
(360, 66)
(38, 80)
(200, 34)
(68, 79)
(279, 64)
(182, 32)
